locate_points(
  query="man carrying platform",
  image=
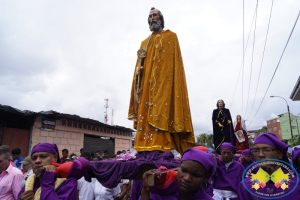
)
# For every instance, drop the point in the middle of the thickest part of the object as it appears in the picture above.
(159, 104)
(49, 185)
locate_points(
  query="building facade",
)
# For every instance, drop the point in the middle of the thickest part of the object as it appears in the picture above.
(285, 125)
(273, 126)
(25, 129)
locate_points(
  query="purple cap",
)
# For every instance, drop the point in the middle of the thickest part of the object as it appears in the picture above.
(247, 152)
(227, 145)
(45, 147)
(206, 159)
(272, 140)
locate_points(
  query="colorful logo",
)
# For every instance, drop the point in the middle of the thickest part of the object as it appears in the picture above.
(270, 179)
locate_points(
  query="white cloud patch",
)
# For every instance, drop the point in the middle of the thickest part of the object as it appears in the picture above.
(69, 56)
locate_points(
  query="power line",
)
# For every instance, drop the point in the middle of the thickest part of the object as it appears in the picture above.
(262, 58)
(252, 58)
(243, 57)
(276, 67)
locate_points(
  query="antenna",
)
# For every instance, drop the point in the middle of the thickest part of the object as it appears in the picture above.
(105, 112)
(112, 117)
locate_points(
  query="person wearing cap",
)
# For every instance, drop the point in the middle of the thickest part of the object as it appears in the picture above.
(228, 174)
(268, 146)
(27, 169)
(195, 172)
(48, 186)
(246, 158)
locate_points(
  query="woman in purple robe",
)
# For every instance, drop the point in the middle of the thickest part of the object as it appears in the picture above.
(246, 158)
(268, 146)
(195, 171)
(42, 156)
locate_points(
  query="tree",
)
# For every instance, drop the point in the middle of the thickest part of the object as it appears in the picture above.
(210, 141)
(294, 142)
(202, 139)
(264, 129)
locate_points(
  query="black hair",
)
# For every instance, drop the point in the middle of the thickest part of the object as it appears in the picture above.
(65, 150)
(16, 151)
(161, 17)
(81, 149)
(97, 157)
(4, 150)
(106, 151)
(119, 152)
(86, 155)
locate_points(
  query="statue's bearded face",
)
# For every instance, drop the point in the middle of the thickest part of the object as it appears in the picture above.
(220, 103)
(154, 20)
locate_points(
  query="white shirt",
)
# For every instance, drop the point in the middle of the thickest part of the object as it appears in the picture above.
(103, 193)
(86, 189)
(26, 175)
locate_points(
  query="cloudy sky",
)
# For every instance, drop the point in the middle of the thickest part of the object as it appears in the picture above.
(69, 56)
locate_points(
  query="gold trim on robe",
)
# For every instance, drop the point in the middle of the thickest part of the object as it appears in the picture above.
(163, 121)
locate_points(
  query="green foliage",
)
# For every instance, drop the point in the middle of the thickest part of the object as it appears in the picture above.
(264, 129)
(294, 141)
(210, 141)
(205, 140)
(202, 139)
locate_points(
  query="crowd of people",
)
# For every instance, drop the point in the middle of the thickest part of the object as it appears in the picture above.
(62, 179)
(201, 175)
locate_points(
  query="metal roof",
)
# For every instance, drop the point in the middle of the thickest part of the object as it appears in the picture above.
(295, 96)
(56, 115)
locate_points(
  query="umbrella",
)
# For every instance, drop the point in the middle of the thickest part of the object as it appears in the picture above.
(202, 148)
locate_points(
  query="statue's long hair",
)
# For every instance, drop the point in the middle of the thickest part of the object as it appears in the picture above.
(222, 101)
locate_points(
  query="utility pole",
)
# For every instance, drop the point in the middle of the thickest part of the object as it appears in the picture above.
(288, 112)
(105, 113)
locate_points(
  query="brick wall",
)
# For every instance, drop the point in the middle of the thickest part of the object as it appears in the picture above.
(71, 138)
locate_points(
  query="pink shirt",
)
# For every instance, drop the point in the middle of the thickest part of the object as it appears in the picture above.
(10, 183)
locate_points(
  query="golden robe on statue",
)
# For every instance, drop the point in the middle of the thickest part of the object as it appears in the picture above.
(161, 116)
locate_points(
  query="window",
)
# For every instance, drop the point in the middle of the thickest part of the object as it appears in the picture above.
(270, 129)
(268, 122)
(293, 127)
(275, 128)
(274, 121)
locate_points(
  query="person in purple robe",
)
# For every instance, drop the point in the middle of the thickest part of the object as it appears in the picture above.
(268, 146)
(296, 160)
(246, 158)
(195, 172)
(228, 174)
(42, 156)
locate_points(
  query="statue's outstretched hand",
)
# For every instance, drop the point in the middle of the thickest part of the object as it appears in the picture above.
(229, 122)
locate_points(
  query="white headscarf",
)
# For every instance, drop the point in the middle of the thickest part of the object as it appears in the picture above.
(242, 122)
